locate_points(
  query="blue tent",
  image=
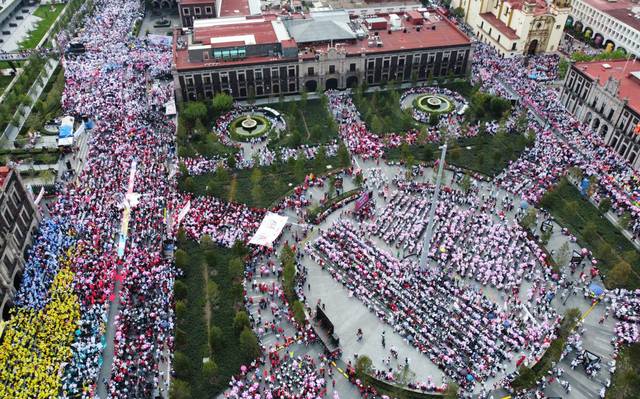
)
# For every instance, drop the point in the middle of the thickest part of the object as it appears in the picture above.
(470, 377)
(596, 289)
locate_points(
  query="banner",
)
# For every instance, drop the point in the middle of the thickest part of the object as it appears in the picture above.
(269, 229)
(184, 211)
(360, 202)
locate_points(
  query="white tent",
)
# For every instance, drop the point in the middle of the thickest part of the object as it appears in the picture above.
(269, 229)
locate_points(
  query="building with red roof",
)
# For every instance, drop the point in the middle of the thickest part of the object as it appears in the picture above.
(606, 96)
(611, 24)
(269, 54)
(515, 27)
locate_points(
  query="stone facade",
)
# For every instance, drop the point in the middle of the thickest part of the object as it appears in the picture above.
(19, 219)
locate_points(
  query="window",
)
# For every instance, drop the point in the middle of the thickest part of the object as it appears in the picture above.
(352, 67)
(513, 46)
(310, 71)
(241, 77)
(188, 80)
(196, 10)
(258, 75)
(208, 10)
(186, 11)
(332, 69)
(276, 89)
(205, 55)
(292, 73)
(207, 79)
(489, 31)
(499, 38)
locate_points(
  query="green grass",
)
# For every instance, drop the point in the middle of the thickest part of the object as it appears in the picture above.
(593, 230)
(192, 332)
(47, 16)
(275, 182)
(626, 381)
(308, 122)
(489, 154)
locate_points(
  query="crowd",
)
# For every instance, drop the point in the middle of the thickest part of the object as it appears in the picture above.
(453, 324)
(109, 83)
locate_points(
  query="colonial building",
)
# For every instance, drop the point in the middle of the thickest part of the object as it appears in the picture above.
(606, 96)
(517, 26)
(272, 54)
(612, 24)
(19, 220)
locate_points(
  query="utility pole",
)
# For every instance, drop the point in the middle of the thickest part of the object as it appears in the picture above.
(432, 211)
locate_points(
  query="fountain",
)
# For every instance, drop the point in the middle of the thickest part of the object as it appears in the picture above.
(249, 124)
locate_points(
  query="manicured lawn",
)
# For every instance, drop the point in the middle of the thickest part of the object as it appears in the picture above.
(275, 181)
(593, 230)
(488, 154)
(308, 122)
(192, 337)
(48, 16)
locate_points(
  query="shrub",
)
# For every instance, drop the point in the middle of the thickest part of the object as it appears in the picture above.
(241, 321)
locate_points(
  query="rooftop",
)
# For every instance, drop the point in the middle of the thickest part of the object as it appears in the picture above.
(620, 10)
(231, 8)
(509, 33)
(629, 84)
(316, 33)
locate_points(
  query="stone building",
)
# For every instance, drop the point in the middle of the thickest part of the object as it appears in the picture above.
(270, 54)
(611, 24)
(606, 96)
(515, 27)
(19, 219)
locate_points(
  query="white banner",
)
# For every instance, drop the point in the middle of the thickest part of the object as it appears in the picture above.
(269, 230)
(184, 211)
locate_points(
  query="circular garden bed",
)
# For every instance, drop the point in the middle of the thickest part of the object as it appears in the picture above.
(433, 104)
(249, 126)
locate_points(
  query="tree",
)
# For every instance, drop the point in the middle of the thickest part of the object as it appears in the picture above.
(427, 153)
(590, 231)
(364, 366)
(193, 111)
(465, 183)
(222, 102)
(249, 344)
(605, 205)
(434, 119)
(303, 97)
(451, 392)
(181, 259)
(321, 157)
(563, 67)
(180, 389)
(210, 371)
(529, 219)
(213, 293)
(359, 179)
(216, 339)
(241, 321)
(343, 155)
(563, 254)
(257, 192)
(298, 169)
(181, 309)
(625, 220)
(458, 12)
(251, 95)
(181, 365)
(180, 290)
(298, 312)
(236, 268)
(571, 208)
(618, 277)
(206, 242)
